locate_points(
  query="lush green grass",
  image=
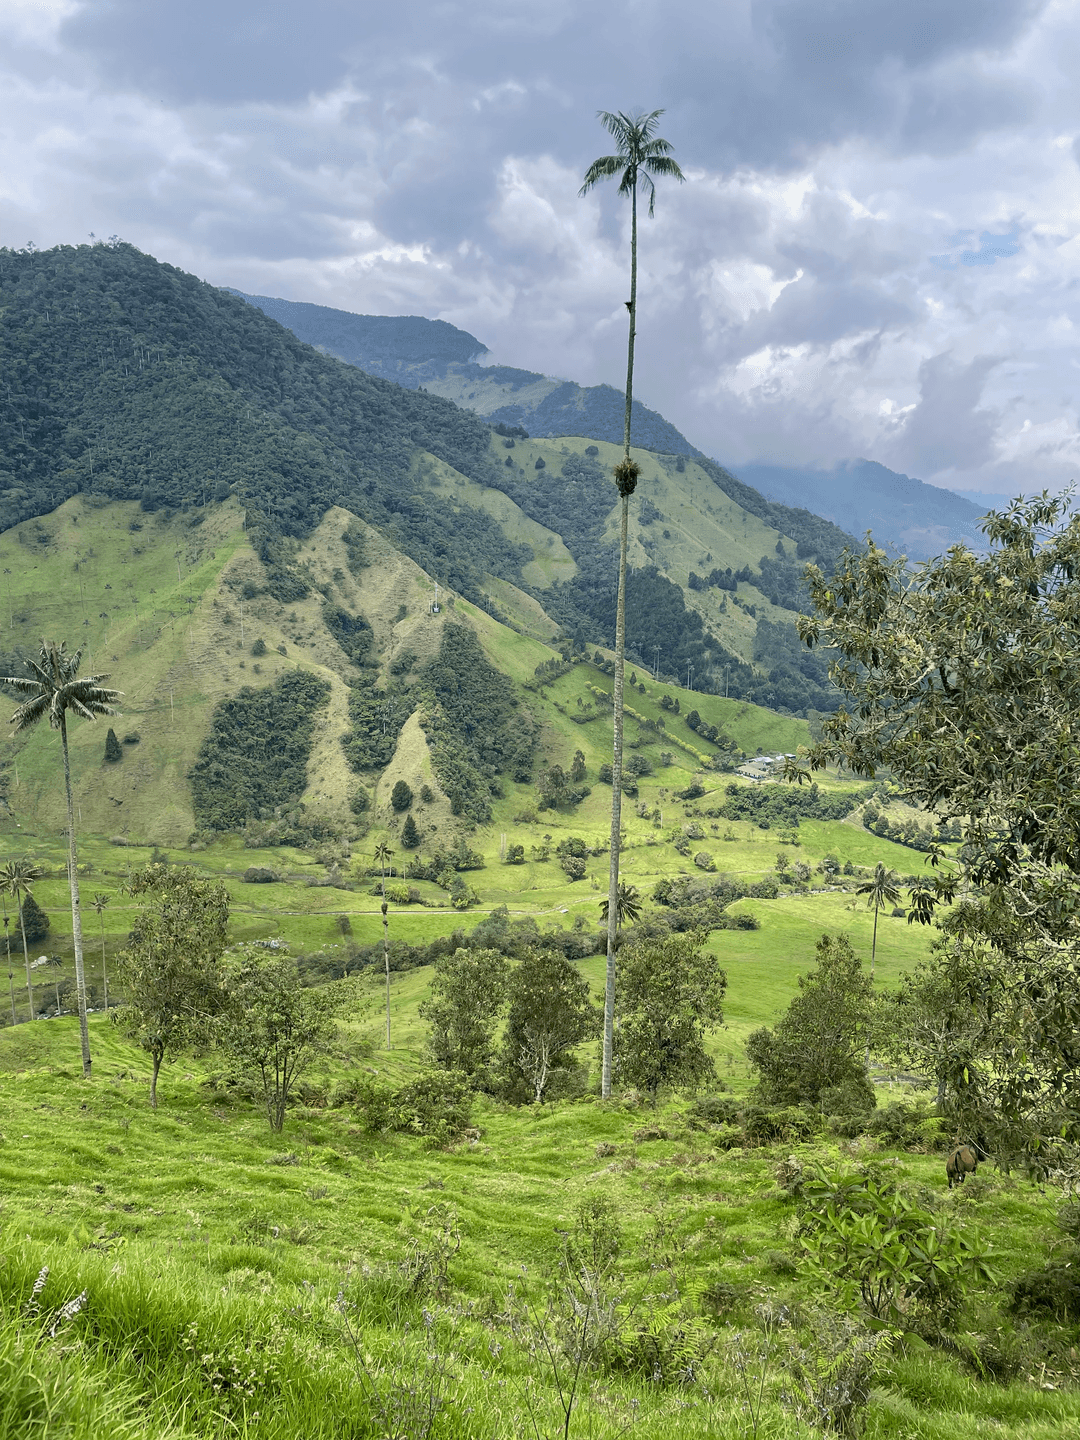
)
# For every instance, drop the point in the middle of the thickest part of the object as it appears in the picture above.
(198, 1216)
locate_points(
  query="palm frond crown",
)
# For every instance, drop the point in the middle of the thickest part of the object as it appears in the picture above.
(56, 687)
(641, 155)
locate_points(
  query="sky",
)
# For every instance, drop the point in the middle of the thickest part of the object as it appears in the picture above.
(876, 251)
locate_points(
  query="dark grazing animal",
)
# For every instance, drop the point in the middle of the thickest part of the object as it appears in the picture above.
(962, 1161)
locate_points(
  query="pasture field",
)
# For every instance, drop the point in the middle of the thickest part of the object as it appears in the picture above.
(219, 1263)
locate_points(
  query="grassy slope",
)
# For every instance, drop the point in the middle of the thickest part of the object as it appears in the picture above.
(198, 1213)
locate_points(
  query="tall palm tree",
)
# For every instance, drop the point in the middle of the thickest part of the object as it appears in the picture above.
(881, 889)
(16, 878)
(7, 951)
(99, 902)
(640, 154)
(54, 690)
(383, 854)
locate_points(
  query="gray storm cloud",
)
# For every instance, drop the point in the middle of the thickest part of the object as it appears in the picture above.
(879, 196)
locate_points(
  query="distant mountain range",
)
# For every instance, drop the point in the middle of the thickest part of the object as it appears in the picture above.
(904, 514)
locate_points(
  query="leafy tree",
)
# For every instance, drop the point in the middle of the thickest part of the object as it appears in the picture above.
(672, 994)
(467, 996)
(964, 681)
(410, 834)
(273, 1027)
(928, 1025)
(640, 155)
(54, 690)
(577, 767)
(383, 854)
(401, 796)
(815, 1051)
(16, 877)
(99, 902)
(550, 1013)
(34, 921)
(113, 750)
(169, 968)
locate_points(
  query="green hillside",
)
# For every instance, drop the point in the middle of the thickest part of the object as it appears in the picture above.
(129, 380)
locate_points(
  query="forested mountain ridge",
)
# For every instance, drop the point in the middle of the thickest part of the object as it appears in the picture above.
(903, 513)
(127, 379)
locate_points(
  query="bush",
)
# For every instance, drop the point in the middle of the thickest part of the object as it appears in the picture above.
(259, 648)
(258, 875)
(113, 751)
(437, 1105)
(1053, 1289)
(401, 796)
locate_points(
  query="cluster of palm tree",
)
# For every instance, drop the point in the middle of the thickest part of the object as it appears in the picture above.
(55, 689)
(640, 155)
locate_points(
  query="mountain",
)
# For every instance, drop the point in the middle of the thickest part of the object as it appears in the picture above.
(248, 534)
(405, 348)
(442, 359)
(905, 515)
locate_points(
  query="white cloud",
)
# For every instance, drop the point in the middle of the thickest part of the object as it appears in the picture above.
(428, 162)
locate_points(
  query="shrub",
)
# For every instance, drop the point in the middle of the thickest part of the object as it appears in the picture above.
(401, 796)
(113, 751)
(869, 1242)
(258, 875)
(704, 861)
(437, 1105)
(259, 648)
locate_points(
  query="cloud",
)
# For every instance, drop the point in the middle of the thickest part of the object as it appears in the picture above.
(879, 198)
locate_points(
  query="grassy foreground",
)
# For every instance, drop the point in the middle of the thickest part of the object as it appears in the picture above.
(331, 1283)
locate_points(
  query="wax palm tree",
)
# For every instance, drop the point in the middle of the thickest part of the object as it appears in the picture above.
(383, 854)
(57, 965)
(16, 878)
(640, 155)
(7, 950)
(628, 905)
(54, 690)
(881, 889)
(99, 902)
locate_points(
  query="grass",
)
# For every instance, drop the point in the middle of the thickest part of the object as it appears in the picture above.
(197, 1216)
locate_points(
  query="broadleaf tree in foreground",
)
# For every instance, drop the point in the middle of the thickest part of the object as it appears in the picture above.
(54, 689)
(169, 968)
(963, 680)
(640, 155)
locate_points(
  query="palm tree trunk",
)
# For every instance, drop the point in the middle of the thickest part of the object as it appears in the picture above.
(26, 961)
(104, 977)
(76, 914)
(617, 696)
(386, 953)
(873, 956)
(156, 1056)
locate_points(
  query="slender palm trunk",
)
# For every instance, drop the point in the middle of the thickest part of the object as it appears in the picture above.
(104, 977)
(386, 952)
(156, 1056)
(873, 956)
(10, 972)
(26, 962)
(617, 696)
(76, 914)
